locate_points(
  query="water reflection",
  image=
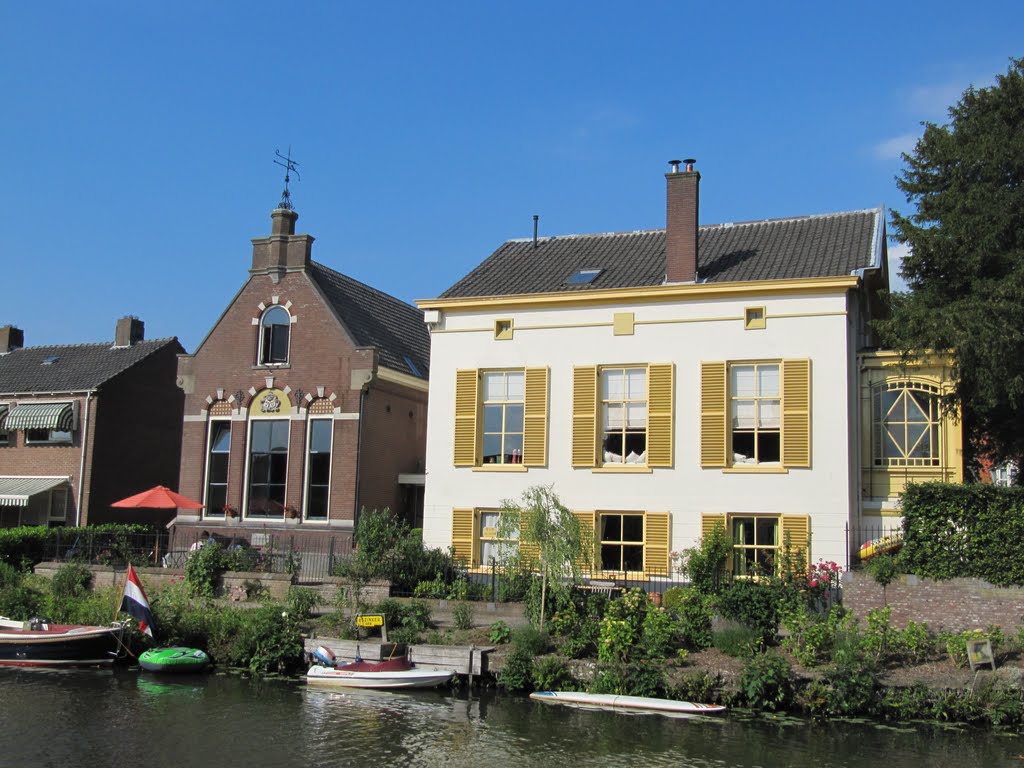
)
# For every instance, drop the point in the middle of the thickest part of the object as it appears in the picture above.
(91, 717)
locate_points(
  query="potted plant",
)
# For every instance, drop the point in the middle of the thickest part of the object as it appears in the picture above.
(291, 512)
(230, 511)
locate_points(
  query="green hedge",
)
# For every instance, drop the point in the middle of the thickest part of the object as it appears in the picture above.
(953, 531)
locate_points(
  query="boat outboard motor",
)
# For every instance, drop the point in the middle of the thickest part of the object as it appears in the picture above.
(39, 623)
(325, 656)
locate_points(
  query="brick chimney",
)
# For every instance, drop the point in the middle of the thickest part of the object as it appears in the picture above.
(283, 250)
(681, 223)
(11, 338)
(130, 330)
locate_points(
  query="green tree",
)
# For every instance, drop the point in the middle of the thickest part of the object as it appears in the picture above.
(548, 534)
(965, 269)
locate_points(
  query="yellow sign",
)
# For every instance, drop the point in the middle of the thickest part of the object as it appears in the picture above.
(370, 620)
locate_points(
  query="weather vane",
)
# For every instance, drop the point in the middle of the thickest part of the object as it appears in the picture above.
(290, 166)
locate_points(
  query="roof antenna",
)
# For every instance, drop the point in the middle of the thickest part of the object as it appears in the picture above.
(535, 219)
(290, 166)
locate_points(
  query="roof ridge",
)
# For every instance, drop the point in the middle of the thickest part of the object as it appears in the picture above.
(102, 344)
(723, 224)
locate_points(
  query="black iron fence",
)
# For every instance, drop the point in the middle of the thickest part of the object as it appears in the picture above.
(859, 536)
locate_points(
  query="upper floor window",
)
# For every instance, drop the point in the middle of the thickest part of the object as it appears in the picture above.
(501, 418)
(624, 415)
(905, 416)
(755, 413)
(503, 403)
(47, 436)
(4, 434)
(275, 326)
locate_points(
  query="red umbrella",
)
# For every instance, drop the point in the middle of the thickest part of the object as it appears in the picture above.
(158, 498)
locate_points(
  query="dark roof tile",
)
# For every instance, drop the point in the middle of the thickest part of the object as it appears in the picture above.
(828, 245)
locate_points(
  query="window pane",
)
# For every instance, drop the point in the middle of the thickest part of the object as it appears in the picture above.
(514, 448)
(488, 520)
(260, 437)
(275, 316)
(220, 436)
(636, 383)
(611, 557)
(279, 436)
(494, 386)
(917, 407)
(319, 468)
(743, 531)
(611, 528)
(218, 468)
(768, 380)
(493, 418)
(278, 344)
(632, 558)
(492, 449)
(515, 385)
(278, 468)
(636, 415)
(768, 447)
(316, 502)
(320, 436)
(633, 528)
(743, 414)
(613, 416)
(742, 384)
(768, 413)
(767, 532)
(611, 385)
(513, 418)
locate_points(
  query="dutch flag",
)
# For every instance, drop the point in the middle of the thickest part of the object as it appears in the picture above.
(135, 603)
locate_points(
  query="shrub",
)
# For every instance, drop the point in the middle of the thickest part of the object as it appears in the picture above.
(738, 642)
(694, 626)
(848, 687)
(705, 563)
(462, 615)
(517, 674)
(203, 568)
(766, 682)
(629, 680)
(531, 640)
(660, 635)
(700, 686)
(906, 703)
(500, 633)
(301, 601)
(755, 605)
(70, 581)
(811, 638)
(551, 673)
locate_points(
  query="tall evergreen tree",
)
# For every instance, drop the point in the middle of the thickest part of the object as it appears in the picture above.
(965, 269)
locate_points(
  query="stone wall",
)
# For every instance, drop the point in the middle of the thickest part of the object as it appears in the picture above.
(954, 605)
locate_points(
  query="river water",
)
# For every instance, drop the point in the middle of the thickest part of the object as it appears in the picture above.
(124, 717)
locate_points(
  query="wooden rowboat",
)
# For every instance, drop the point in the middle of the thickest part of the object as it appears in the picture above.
(638, 704)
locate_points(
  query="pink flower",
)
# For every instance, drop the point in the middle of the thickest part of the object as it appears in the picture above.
(814, 582)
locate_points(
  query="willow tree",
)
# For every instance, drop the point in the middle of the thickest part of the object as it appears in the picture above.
(551, 539)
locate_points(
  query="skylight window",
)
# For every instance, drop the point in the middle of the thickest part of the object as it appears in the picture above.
(584, 277)
(412, 366)
(51, 360)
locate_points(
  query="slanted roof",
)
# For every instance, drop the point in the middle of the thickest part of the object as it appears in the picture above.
(376, 319)
(828, 245)
(72, 367)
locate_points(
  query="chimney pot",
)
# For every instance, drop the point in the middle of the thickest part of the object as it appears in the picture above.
(675, 165)
(689, 164)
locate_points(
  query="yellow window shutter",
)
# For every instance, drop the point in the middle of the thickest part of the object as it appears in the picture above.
(587, 533)
(709, 521)
(466, 406)
(529, 552)
(796, 413)
(535, 421)
(796, 532)
(660, 388)
(656, 543)
(464, 539)
(584, 416)
(713, 413)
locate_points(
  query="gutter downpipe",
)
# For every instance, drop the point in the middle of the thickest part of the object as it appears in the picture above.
(359, 459)
(81, 467)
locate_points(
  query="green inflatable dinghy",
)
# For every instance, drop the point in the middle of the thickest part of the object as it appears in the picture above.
(173, 660)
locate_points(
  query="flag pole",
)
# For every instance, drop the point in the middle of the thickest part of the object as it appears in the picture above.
(118, 599)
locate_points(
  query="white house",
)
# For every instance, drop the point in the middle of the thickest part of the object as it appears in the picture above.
(665, 381)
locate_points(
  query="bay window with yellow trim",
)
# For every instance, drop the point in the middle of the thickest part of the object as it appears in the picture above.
(501, 418)
(755, 414)
(762, 542)
(622, 416)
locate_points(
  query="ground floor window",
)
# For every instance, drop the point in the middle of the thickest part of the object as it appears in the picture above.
(268, 467)
(494, 546)
(756, 545)
(621, 541)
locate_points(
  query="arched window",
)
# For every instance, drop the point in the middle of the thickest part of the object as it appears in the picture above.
(274, 327)
(906, 418)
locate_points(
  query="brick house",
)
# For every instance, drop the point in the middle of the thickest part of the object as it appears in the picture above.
(668, 381)
(84, 425)
(305, 402)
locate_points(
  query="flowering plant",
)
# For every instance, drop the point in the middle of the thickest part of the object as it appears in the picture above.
(823, 583)
(290, 511)
(230, 511)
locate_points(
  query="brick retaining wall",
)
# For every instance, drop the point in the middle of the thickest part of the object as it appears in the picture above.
(954, 605)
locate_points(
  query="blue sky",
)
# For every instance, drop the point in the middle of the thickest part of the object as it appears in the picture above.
(139, 138)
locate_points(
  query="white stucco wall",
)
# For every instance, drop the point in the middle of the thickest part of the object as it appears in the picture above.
(686, 334)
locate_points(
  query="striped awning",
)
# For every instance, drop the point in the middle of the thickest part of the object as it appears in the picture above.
(40, 416)
(16, 491)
